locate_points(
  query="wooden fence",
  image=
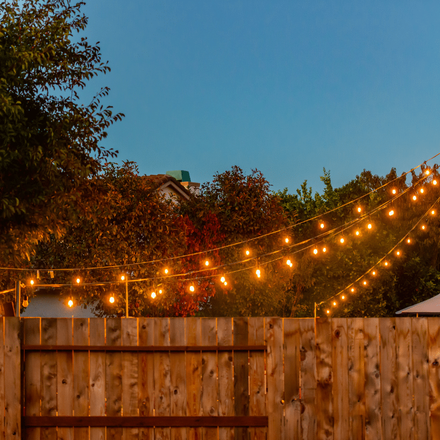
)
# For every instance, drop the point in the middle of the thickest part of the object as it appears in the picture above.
(220, 378)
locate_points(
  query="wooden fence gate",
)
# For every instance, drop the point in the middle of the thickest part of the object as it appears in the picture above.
(220, 378)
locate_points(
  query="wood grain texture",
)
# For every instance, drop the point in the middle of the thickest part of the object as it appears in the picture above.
(178, 376)
(113, 375)
(405, 387)
(162, 381)
(12, 379)
(48, 371)
(65, 376)
(308, 379)
(324, 379)
(340, 378)
(193, 375)
(275, 376)
(434, 376)
(146, 376)
(32, 375)
(130, 376)
(387, 330)
(225, 376)
(257, 384)
(420, 365)
(97, 376)
(373, 410)
(2, 379)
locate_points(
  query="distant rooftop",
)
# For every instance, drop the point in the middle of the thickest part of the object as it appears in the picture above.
(180, 175)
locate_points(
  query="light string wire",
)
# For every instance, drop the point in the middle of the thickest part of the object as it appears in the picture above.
(207, 251)
(405, 236)
(189, 275)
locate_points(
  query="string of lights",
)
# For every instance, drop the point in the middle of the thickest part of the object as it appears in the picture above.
(239, 243)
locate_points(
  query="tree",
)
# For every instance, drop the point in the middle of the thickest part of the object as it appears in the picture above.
(49, 141)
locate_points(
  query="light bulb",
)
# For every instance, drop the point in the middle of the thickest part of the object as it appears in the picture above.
(432, 212)
(408, 240)
(359, 209)
(391, 213)
(32, 282)
(414, 197)
(365, 283)
(222, 279)
(394, 191)
(335, 303)
(192, 288)
(328, 312)
(25, 301)
(248, 252)
(225, 283)
(78, 280)
(352, 290)
(398, 253)
(423, 227)
(422, 190)
(153, 295)
(322, 226)
(341, 240)
(112, 299)
(160, 291)
(357, 233)
(166, 271)
(289, 263)
(258, 273)
(286, 240)
(70, 303)
(315, 251)
(343, 297)
(374, 272)
(427, 172)
(122, 277)
(434, 182)
(369, 226)
(386, 263)
(206, 263)
(324, 249)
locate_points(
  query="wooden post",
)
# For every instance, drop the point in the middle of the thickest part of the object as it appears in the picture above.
(126, 297)
(17, 298)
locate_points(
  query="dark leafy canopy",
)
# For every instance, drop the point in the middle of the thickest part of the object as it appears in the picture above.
(49, 141)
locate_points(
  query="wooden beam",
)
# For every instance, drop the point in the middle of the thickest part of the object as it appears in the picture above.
(159, 421)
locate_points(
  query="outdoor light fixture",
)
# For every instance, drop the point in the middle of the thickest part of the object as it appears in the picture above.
(31, 282)
(122, 277)
(342, 240)
(25, 301)
(322, 226)
(111, 299)
(286, 240)
(434, 182)
(369, 226)
(394, 191)
(258, 272)
(357, 233)
(324, 249)
(391, 213)
(359, 209)
(422, 190)
(248, 252)
(206, 263)
(70, 302)
(414, 197)
(315, 251)
(160, 291)
(192, 288)
(78, 280)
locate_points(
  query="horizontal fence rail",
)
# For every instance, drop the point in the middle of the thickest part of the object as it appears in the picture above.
(220, 378)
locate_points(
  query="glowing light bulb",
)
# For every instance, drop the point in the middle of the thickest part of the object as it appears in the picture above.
(423, 227)
(374, 272)
(222, 279)
(160, 291)
(192, 288)
(248, 252)
(414, 197)
(206, 263)
(352, 290)
(328, 312)
(391, 212)
(434, 182)
(78, 280)
(70, 303)
(359, 209)
(422, 190)
(122, 277)
(225, 283)
(365, 283)
(343, 297)
(324, 249)
(357, 233)
(394, 191)
(315, 251)
(408, 240)
(25, 301)
(112, 299)
(432, 212)
(369, 226)
(386, 263)
(427, 172)
(322, 226)
(335, 303)
(258, 273)
(398, 253)
(342, 240)
(153, 295)
(289, 263)
(32, 282)
(286, 240)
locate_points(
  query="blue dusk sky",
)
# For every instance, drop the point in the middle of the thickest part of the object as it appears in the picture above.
(287, 87)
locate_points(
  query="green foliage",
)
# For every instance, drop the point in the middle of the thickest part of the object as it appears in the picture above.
(49, 141)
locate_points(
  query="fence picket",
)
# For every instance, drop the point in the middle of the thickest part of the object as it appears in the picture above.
(65, 375)
(48, 371)
(2, 379)
(97, 376)
(257, 388)
(225, 376)
(372, 380)
(130, 376)
(420, 365)
(434, 376)
(340, 378)
(178, 376)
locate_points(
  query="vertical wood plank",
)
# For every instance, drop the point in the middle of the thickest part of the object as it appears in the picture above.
(387, 329)
(405, 390)
(225, 376)
(178, 376)
(97, 375)
(209, 375)
(340, 378)
(241, 374)
(257, 386)
(420, 359)
(275, 382)
(146, 375)
(324, 379)
(130, 376)
(48, 375)
(308, 379)
(12, 378)
(32, 375)
(356, 378)
(113, 375)
(2, 378)
(434, 376)
(193, 375)
(65, 375)
(162, 375)
(373, 412)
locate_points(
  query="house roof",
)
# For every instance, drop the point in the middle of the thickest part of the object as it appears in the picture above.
(429, 307)
(164, 182)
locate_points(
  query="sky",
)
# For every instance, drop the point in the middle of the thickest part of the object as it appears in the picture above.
(285, 87)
